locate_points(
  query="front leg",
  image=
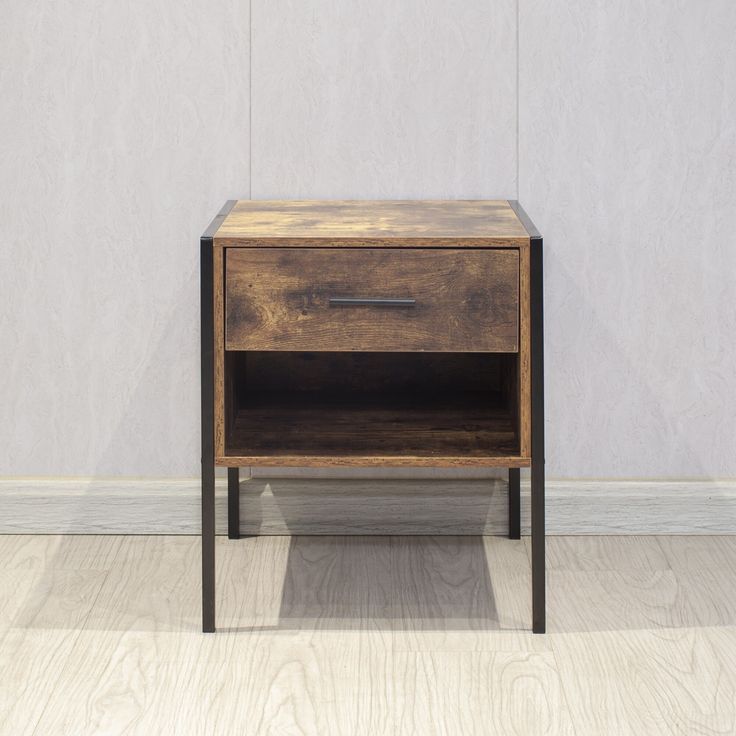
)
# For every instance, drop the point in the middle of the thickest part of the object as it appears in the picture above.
(208, 434)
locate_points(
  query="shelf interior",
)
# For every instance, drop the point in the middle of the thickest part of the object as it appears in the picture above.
(360, 405)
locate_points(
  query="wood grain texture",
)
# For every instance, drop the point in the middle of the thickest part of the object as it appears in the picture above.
(278, 299)
(49, 611)
(282, 429)
(14, 587)
(360, 568)
(32, 664)
(340, 684)
(616, 600)
(384, 635)
(140, 634)
(57, 551)
(636, 648)
(598, 553)
(152, 587)
(706, 567)
(374, 461)
(690, 554)
(479, 693)
(338, 408)
(282, 299)
(462, 594)
(659, 682)
(218, 292)
(613, 584)
(48, 585)
(374, 223)
(368, 374)
(523, 364)
(123, 684)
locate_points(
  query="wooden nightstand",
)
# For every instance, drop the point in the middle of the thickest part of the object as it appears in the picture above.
(359, 333)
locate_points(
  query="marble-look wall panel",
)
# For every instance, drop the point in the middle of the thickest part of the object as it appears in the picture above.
(384, 99)
(124, 129)
(628, 167)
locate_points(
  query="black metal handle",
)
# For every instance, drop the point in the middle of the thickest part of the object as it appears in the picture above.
(352, 301)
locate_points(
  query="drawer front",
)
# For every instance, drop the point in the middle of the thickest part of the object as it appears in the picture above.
(317, 299)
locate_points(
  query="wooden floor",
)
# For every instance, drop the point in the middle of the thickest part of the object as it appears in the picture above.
(367, 635)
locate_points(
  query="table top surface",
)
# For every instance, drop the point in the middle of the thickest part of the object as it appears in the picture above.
(372, 222)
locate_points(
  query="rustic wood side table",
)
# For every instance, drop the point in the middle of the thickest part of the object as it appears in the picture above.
(372, 333)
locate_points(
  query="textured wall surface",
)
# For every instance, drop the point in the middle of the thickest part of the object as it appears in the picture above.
(384, 99)
(628, 166)
(125, 127)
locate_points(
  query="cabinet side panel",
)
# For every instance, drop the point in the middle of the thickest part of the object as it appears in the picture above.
(219, 319)
(523, 359)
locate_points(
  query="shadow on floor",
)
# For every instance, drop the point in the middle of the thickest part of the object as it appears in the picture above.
(380, 583)
(368, 583)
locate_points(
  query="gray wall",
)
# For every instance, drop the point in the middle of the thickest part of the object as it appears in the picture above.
(126, 125)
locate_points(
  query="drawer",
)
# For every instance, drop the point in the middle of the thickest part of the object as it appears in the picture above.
(319, 299)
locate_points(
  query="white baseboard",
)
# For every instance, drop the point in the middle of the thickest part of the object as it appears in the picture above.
(394, 505)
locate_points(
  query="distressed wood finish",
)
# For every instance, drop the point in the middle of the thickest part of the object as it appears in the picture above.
(303, 279)
(284, 430)
(466, 301)
(374, 461)
(364, 223)
(218, 269)
(367, 408)
(421, 376)
(523, 364)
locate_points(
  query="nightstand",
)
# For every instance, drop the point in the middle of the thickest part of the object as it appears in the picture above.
(372, 333)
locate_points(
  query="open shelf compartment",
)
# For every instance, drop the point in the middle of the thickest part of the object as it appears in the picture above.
(360, 408)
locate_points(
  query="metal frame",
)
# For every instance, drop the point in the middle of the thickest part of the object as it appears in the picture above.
(207, 312)
(233, 503)
(536, 269)
(514, 503)
(539, 617)
(537, 439)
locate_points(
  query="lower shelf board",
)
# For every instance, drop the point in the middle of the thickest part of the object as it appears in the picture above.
(370, 461)
(342, 433)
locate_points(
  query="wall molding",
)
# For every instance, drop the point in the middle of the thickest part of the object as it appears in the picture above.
(394, 505)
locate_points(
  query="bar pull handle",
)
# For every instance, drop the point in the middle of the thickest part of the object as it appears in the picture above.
(352, 301)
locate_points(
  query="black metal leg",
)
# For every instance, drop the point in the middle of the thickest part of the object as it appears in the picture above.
(233, 503)
(208, 435)
(208, 546)
(539, 618)
(207, 331)
(514, 503)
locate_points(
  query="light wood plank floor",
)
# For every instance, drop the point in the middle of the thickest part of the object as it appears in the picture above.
(367, 635)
